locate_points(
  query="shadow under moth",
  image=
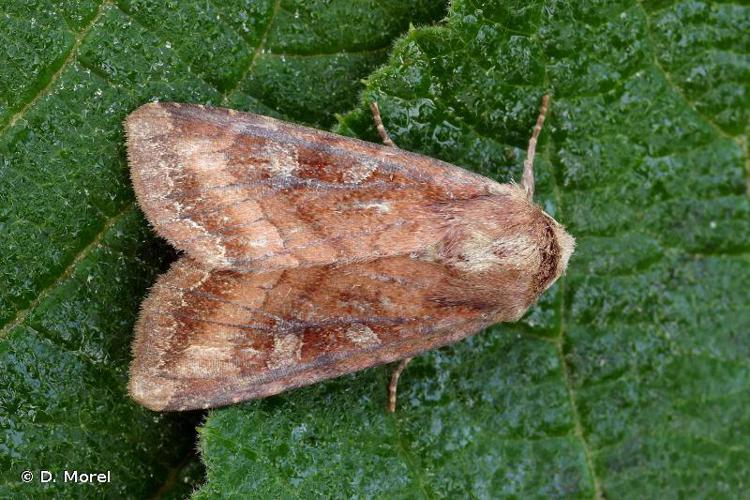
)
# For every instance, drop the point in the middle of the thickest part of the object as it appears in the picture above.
(308, 255)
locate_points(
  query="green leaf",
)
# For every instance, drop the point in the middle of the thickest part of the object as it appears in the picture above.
(631, 377)
(76, 256)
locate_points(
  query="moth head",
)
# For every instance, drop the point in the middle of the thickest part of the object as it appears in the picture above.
(507, 233)
(565, 245)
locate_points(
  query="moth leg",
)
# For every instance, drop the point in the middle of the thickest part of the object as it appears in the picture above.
(393, 386)
(527, 181)
(379, 125)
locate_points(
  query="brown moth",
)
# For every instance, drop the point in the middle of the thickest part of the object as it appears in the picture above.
(309, 255)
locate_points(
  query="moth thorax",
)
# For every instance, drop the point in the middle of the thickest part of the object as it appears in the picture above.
(479, 251)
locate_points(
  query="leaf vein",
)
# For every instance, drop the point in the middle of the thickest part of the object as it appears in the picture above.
(67, 61)
(258, 50)
(159, 37)
(22, 314)
(671, 83)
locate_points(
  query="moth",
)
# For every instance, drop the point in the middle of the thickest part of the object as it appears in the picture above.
(309, 255)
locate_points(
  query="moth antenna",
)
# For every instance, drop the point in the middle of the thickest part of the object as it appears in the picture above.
(379, 125)
(527, 181)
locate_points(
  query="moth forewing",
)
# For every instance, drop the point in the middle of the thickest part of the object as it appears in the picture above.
(311, 255)
(248, 192)
(210, 338)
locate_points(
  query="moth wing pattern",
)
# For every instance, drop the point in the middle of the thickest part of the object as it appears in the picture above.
(208, 338)
(243, 191)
